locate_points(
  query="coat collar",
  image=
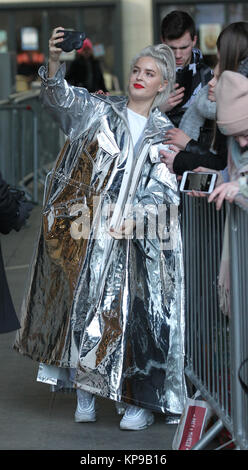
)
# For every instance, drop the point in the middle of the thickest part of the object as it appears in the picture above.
(157, 124)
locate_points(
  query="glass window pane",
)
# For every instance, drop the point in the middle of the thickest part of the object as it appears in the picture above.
(99, 28)
(166, 9)
(4, 32)
(29, 55)
(34, 26)
(97, 23)
(237, 12)
(66, 17)
(204, 14)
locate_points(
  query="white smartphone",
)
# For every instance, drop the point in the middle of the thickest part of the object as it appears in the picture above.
(203, 182)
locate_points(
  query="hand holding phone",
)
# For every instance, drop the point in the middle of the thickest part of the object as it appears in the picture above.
(54, 44)
(174, 99)
(71, 40)
(65, 40)
(203, 182)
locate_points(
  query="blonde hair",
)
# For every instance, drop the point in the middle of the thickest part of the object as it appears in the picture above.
(165, 60)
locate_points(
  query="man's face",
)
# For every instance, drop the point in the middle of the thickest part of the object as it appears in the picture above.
(182, 48)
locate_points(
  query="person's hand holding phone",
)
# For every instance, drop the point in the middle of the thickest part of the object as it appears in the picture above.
(55, 50)
(198, 183)
(175, 98)
(226, 191)
(217, 183)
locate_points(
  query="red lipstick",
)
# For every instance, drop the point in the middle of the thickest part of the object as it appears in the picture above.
(137, 85)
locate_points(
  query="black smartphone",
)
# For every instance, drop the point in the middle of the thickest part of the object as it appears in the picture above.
(203, 182)
(72, 40)
(184, 79)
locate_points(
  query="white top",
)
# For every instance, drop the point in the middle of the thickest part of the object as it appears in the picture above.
(137, 123)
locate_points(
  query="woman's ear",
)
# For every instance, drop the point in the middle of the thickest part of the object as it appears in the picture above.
(163, 86)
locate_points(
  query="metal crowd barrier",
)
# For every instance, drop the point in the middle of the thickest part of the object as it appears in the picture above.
(217, 344)
(30, 141)
(239, 306)
(19, 142)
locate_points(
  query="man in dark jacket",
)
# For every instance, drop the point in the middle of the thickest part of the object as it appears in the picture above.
(178, 31)
(14, 210)
(85, 70)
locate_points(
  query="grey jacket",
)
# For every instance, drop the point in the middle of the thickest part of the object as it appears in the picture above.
(201, 108)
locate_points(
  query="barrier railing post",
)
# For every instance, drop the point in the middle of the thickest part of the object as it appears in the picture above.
(239, 333)
(235, 319)
(35, 157)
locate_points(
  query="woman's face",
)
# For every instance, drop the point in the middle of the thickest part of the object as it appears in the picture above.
(242, 140)
(212, 84)
(145, 80)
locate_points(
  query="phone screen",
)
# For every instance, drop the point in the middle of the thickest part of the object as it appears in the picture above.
(198, 182)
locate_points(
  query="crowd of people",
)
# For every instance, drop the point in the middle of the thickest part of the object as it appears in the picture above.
(104, 312)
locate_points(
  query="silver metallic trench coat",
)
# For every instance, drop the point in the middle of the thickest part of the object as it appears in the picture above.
(111, 309)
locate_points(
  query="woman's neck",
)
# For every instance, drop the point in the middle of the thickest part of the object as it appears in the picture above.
(139, 108)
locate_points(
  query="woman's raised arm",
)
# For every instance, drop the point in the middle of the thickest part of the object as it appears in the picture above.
(54, 51)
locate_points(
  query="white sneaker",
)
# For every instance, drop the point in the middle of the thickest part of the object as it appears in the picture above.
(136, 418)
(85, 412)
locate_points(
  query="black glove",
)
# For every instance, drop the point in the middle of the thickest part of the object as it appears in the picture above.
(23, 213)
(24, 207)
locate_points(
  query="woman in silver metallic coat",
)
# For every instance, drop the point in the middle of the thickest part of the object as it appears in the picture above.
(105, 302)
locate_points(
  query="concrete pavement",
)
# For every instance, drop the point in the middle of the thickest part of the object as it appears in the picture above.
(33, 418)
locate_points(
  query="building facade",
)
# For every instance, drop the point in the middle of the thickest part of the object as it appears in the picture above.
(117, 28)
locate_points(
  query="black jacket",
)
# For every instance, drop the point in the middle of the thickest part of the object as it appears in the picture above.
(12, 216)
(196, 154)
(86, 73)
(195, 75)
